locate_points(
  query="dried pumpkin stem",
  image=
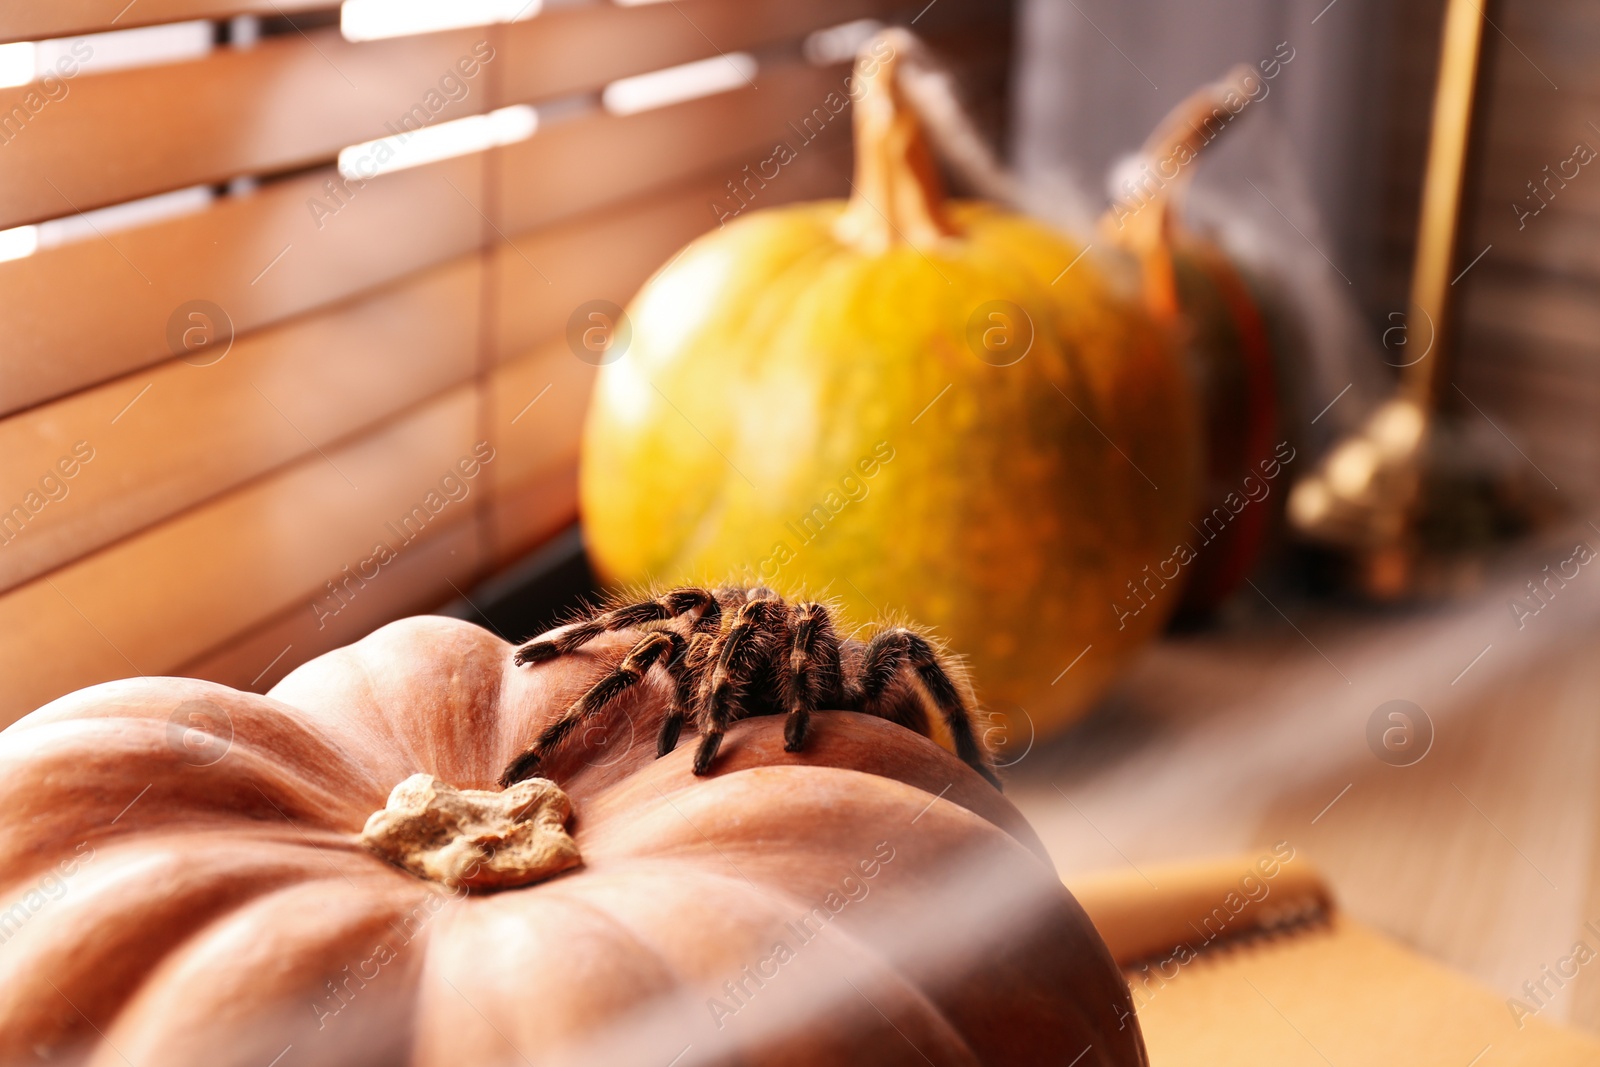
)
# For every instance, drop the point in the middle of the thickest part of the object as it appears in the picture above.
(476, 838)
(1169, 153)
(1166, 170)
(897, 195)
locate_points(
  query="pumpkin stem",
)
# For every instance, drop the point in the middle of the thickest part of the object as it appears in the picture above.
(475, 838)
(897, 197)
(1145, 220)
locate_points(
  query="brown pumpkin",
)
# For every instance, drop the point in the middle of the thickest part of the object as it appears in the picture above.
(186, 882)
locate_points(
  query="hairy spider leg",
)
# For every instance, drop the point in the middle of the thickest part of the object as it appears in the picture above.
(670, 605)
(814, 671)
(739, 652)
(888, 653)
(687, 669)
(654, 647)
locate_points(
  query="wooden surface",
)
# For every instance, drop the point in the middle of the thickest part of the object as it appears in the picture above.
(1484, 856)
(1244, 961)
(1341, 994)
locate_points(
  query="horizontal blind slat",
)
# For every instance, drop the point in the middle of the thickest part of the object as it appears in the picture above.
(534, 495)
(185, 433)
(304, 384)
(529, 513)
(96, 309)
(581, 165)
(155, 601)
(543, 276)
(295, 100)
(33, 20)
(599, 43)
(291, 101)
(537, 404)
(418, 580)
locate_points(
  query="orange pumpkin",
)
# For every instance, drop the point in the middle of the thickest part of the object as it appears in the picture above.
(187, 881)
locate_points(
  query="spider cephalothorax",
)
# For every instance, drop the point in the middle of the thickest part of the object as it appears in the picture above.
(734, 653)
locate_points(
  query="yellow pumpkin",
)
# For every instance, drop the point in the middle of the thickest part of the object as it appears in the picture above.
(915, 406)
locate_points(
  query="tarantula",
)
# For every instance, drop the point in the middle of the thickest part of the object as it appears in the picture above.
(735, 653)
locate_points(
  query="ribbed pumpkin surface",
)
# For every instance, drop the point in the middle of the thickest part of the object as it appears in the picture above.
(175, 897)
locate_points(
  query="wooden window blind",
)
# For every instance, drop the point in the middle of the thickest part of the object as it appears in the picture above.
(165, 511)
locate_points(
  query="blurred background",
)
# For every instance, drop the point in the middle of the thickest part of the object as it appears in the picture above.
(287, 301)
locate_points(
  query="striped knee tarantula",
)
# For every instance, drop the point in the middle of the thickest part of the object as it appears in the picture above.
(735, 653)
